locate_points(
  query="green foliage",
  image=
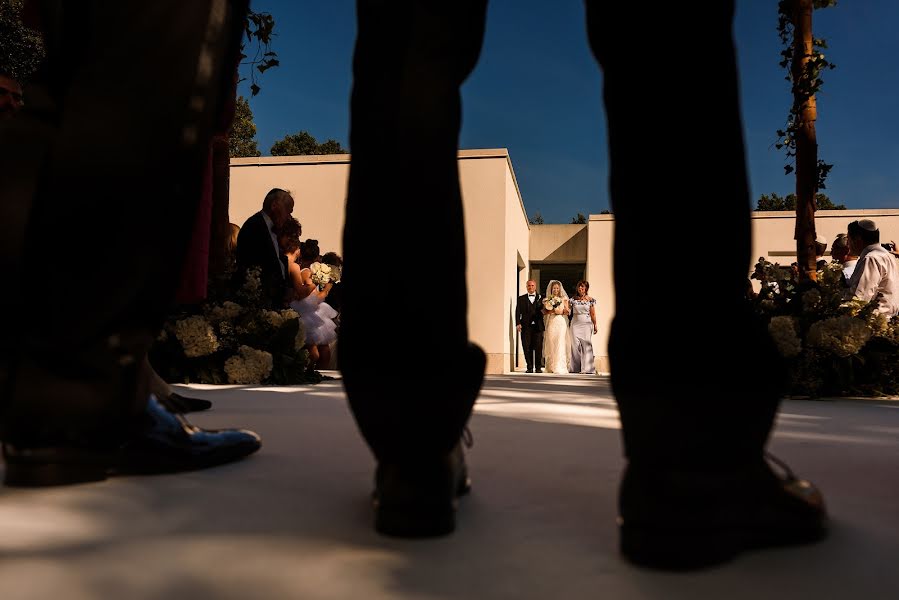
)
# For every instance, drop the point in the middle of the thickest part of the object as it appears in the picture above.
(242, 138)
(259, 29)
(833, 345)
(537, 219)
(303, 144)
(605, 212)
(775, 202)
(21, 48)
(580, 219)
(803, 86)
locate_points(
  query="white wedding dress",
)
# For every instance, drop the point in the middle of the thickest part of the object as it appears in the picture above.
(556, 341)
(318, 319)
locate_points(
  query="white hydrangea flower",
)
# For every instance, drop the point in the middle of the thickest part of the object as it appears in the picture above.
(274, 318)
(248, 367)
(783, 332)
(226, 312)
(196, 336)
(810, 299)
(843, 336)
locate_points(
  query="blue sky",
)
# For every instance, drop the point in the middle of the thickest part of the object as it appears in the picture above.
(537, 92)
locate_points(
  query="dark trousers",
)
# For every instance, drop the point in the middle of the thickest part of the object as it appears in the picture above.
(102, 172)
(532, 344)
(677, 407)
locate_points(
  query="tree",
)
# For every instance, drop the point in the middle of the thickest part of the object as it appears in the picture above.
(259, 29)
(802, 54)
(537, 219)
(242, 137)
(788, 202)
(580, 219)
(605, 211)
(21, 48)
(303, 143)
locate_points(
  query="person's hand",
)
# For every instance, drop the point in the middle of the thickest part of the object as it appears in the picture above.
(519, 327)
(594, 329)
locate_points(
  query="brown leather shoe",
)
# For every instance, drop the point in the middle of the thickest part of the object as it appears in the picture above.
(419, 499)
(686, 520)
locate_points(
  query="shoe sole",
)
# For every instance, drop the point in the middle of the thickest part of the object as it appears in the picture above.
(679, 550)
(38, 472)
(416, 521)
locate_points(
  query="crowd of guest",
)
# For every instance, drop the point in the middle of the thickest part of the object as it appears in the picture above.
(870, 269)
(270, 241)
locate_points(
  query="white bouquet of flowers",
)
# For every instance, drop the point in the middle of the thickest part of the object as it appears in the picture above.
(552, 303)
(322, 274)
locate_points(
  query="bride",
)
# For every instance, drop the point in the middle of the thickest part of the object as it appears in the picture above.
(555, 339)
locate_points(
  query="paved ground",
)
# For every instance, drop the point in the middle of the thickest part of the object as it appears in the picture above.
(294, 521)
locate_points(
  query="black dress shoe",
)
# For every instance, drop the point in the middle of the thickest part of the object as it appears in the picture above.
(529, 371)
(162, 442)
(177, 403)
(680, 520)
(538, 370)
(419, 499)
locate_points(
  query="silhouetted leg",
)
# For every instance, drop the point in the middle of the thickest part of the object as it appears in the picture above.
(118, 127)
(411, 58)
(677, 168)
(697, 490)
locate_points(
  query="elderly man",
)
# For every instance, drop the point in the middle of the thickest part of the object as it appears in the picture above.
(877, 271)
(257, 245)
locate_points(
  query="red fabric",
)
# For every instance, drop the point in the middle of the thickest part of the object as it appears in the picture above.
(195, 272)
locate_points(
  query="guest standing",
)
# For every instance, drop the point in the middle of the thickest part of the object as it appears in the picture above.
(583, 328)
(257, 246)
(529, 322)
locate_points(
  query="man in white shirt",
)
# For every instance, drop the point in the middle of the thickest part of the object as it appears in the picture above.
(877, 271)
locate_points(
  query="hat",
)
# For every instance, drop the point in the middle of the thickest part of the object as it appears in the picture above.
(867, 225)
(821, 239)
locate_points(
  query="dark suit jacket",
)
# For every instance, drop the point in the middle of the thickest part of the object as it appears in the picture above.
(529, 315)
(255, 248)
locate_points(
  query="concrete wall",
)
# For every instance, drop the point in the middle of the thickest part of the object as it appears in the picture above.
(317, 183)
(495, 223)
(600, 232)
(558, 243)
(518, 233)
(772, 232)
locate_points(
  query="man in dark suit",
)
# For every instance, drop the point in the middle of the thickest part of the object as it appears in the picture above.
(257, 245)
(529, 321)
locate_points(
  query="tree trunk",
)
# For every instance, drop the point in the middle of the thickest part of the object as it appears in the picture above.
(806, 143)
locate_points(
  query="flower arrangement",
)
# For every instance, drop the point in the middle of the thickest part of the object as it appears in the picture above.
(552, 302)
(833, 345)
(323, 273)
(234, 339)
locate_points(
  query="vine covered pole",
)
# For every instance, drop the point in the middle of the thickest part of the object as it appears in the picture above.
(806, 140)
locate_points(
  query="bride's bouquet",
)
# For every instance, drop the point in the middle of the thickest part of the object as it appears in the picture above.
(322, 274)
(552, 303)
